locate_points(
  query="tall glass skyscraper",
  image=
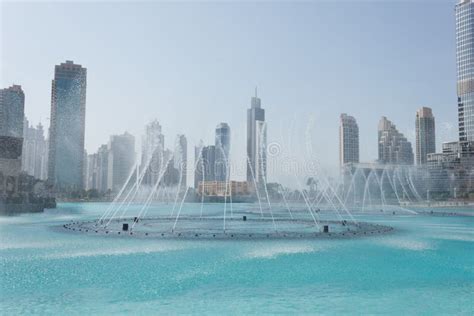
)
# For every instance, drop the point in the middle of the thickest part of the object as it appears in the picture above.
(12, 111)
(465, 68)
(425, 135)
(121, 160)
(348, 140)
(181, 158)
(256, 142)
(68, 111)
(222, 151)
(205, 160)
(153, 146)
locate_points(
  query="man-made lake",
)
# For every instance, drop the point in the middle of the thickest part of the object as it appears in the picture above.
(425, 266)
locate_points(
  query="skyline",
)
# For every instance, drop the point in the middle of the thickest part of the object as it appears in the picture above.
(237, 157)
(231, 100)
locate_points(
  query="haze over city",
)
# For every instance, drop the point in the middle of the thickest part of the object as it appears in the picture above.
(237, 157)
(192, 66)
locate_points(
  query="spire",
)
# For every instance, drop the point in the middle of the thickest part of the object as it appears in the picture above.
(256, 91)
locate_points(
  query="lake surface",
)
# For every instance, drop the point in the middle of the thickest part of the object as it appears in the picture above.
(426, 266)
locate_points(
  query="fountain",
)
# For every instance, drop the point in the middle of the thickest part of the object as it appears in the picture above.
(303, 216)
(328, 210)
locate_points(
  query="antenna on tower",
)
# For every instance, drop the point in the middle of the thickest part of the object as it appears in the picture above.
(255, 91)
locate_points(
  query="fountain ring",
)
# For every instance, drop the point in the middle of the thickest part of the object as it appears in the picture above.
(213, 228)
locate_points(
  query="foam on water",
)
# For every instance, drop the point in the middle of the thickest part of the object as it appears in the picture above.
(28, 245)
(407, 244)
(122, 251)
(458, 237)
(265, 251)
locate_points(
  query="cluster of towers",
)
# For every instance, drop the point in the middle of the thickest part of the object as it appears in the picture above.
(393, 146)
(63, 161)
(450, 170)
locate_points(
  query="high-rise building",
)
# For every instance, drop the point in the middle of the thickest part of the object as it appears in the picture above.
(425, 135)
(181, 158)
(12, 104)
(121, 160)
(256, 142)
(222, 151)
(92, 172)
(394, 148)
(102, 168)
(465, 68)
(348, 140)
(12, 111)
(153, 144)
(451, 171)
(35, 151)
(66, 140)
(205, 158)
(97, 170)
(198, 164)
(171, 173)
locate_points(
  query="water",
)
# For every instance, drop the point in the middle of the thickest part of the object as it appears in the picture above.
(425, 267)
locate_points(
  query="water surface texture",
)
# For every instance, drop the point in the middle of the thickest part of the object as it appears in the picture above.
(426, 266)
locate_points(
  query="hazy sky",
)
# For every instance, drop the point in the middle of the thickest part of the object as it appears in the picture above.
(193, 65)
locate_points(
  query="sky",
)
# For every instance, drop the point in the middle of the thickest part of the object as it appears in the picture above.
(192, 65)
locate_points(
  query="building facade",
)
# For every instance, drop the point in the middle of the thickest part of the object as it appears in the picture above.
(92, 172)
(256, 142)
(393, 147)
(12, 111)
(452, 170)
(10, 165)
(348, 140)
(102, 166)
(181, 159)
(465, 68)
(67, 128)
(205, 159)
(222, 152)
(121, 160)
(153, 146)
(425, 135)
(35, 151)
(224, 188)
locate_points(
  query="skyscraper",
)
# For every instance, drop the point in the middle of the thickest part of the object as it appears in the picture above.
(205, 158)
(121, 160)
(425, 135)
(394, 148)
(198, 164)
(35, 152)
(12, 111)
(92, 172)
(153, 144)
(465, 68)
(348, 140)
(256, 142)
(181, 158)
(222, 151)
(66, 141)
(102, 168)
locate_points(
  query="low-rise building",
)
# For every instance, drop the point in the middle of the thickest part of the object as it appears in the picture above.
(452, 170)
(224, 188)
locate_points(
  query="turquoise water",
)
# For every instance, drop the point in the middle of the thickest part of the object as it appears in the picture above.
(425, 267)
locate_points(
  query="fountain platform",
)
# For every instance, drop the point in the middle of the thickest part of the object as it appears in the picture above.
(212, 228)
